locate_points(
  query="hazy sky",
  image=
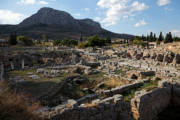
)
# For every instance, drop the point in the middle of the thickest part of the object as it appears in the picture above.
(122, 16)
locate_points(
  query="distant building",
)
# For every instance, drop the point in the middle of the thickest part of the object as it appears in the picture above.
(3, 43)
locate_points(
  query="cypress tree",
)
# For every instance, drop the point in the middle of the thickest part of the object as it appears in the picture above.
(12, 39)
(154, 37)
(160, 39)
(81, 38)
(151, 37)
(148, 39)
(168, 38)
(45, 38)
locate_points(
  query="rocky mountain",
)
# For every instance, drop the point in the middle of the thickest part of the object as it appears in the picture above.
(57, 25)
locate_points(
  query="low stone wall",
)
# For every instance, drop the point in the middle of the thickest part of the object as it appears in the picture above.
(122, 89)
(112, 108)
(146, 105)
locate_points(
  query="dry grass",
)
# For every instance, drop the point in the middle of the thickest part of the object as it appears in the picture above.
(115, 45)
(16, 107)
(69, 105)
(90, 105)
(174, 47)
(115, 81)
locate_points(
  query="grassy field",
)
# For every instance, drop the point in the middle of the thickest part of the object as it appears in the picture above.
(35, 87)
(43, 84)
(146, 86)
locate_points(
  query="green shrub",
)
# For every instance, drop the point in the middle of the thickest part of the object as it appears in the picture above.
(69, 42)
(56, 42)
(139, 42)
(81, 45)
(95, 41)
(25, 41)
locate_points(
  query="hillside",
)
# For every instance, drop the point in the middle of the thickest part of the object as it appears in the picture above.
(57, 25)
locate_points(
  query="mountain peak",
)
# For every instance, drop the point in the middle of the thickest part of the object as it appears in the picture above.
(45, 9)
(50, 16)
(60, 24)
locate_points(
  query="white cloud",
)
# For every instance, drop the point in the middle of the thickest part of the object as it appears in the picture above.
(97, 19)
(118, 8)
(163, 2)
(32, 2)
(42, 2)
(77, 14)
(86, 9)
(27, 2)
(9, 17)
(140, 23)
(176, 32)
(125, 16)
(168, 9)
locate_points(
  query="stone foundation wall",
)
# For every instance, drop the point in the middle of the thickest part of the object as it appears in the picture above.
(147, 105)
(32, 59)
(123, 88)
(176, 95)
(166, 56)
(112, 108)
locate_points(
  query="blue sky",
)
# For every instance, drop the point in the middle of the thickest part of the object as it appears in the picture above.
(135, 17)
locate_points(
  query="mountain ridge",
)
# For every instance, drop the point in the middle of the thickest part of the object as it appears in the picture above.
(58, 25)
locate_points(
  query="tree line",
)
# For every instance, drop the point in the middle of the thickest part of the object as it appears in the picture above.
(13, 39)
(144, 40)
(166, 39)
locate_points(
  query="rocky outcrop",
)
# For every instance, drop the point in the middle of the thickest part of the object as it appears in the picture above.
(177, 59)
(139, 56)
(160, 57)
(168, 58)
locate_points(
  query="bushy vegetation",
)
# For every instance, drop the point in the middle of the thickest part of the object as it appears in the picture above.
(139, 41)
(81, 45)
(66, 42)
(69, 42)
(95, 41)
(176, 39)
(25, 41)
(56, 42)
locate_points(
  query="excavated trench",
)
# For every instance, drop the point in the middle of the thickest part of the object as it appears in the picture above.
(172, 112)
(160, 104)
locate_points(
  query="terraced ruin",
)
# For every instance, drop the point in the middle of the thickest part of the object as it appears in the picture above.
(107, 83)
